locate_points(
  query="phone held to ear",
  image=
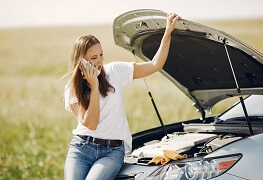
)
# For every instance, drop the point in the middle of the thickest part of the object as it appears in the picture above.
(86, 62)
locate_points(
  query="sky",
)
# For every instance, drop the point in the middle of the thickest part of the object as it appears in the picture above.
(34, 13)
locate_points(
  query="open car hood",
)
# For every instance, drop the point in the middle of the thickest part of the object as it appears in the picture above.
(197, 62)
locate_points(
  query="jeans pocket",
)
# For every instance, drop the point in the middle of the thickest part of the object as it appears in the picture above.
(77, 142)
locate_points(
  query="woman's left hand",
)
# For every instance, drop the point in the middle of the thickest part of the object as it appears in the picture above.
(172, 18)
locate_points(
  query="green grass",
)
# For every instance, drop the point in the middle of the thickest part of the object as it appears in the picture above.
(35, 130)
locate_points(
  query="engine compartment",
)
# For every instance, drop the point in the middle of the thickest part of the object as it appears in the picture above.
(175, 142)
(191, 143)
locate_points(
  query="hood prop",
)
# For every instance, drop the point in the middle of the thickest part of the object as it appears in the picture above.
(152, 100)
(238, 90)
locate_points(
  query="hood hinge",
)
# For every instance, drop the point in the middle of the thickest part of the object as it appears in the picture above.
(200, 109)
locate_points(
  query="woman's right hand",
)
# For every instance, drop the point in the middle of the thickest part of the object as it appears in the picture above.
(90, 74)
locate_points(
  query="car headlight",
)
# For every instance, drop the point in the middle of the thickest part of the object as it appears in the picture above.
(201, 169)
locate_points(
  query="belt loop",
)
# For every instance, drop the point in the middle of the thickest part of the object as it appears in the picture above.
(108, 143)
(88, 138)
(93, 139)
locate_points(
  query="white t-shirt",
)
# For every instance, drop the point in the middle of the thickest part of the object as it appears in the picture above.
(113, 122)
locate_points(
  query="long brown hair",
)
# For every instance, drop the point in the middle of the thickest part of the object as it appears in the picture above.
(79, 86)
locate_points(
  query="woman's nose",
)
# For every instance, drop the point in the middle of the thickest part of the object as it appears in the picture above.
(100, 61)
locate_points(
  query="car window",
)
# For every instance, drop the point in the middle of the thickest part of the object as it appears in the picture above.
(253, 105)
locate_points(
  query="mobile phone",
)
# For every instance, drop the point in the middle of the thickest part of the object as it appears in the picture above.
(86, 62)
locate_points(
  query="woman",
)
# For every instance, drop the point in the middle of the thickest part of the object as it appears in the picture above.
(102, 136)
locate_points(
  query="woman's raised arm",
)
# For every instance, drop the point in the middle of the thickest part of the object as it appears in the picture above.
(147, 68)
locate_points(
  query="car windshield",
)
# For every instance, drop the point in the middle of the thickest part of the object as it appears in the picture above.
(253, 105)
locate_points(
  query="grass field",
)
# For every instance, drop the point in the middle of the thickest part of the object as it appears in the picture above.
(35, 130)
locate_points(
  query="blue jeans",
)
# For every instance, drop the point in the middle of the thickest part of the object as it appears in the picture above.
(86, 160)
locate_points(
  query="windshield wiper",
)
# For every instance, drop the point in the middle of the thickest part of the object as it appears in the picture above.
(241, 120)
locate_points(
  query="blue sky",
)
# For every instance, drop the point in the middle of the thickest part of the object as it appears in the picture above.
(31, 13)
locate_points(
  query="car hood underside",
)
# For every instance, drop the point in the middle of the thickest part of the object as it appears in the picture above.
(197, 62)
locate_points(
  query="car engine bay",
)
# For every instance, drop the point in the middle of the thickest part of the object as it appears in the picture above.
(191, 143)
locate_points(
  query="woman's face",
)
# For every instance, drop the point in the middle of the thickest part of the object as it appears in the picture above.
(95, 55)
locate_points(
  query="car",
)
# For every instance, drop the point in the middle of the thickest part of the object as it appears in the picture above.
(208, 66)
